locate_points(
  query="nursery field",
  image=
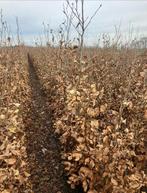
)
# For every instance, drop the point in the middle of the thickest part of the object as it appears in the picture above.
(72, 126)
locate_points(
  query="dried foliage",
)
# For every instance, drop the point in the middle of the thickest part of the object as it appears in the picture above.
(14, 173)
(99, 115)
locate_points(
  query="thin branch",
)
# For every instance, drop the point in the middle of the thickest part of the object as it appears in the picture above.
(76, 28)
(93, 16)
(73, 10)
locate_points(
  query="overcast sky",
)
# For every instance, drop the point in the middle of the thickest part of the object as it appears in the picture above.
(32, 14)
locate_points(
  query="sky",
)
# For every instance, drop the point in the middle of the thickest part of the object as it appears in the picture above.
(129, 15)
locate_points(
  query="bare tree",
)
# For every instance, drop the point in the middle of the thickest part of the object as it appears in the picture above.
(46, 31)
(2, 26)
(67, 23)
(18, 31)
(80, 22)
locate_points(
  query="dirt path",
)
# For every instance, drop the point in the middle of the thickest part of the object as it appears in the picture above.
(43, 147)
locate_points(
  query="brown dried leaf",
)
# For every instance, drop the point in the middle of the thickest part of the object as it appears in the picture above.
(6, 191)
(145, 114)
(92, 191)
(93, 112)
(3, 176)
(86, 172)
(2, 117)
(94, 123)
(27, 174)
(12, 129)
(103, 108)
(85, 185)
(114, 182)
(77, 156)
(10, 161)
